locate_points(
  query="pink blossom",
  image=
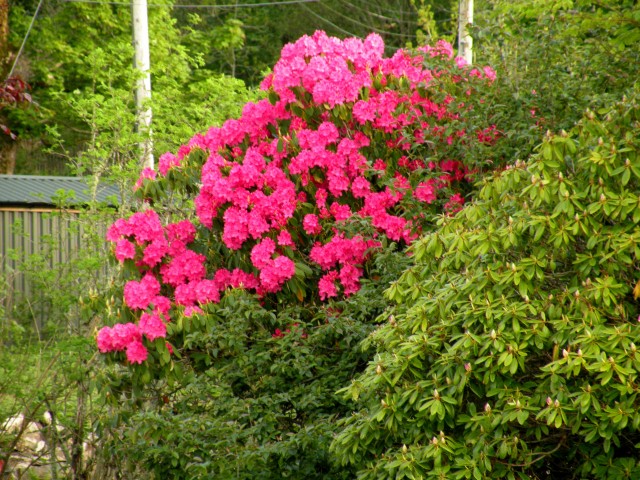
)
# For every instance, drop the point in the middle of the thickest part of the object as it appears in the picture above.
(461, 62)
(152, 326)
(183, 231)
(105, 340)
(327, 286)
(236, 228)
(161, 305)
(117, 338)
(141, 294)
(136, 352)
(185, 294)
(206, 291)
(125, 333)
(166, 162)
(146, 174)
(155, 251)
(125, 249)
(454, 204)
(311, 225)
(285, 240)
(191, 311)
(490, 73)
(360, 187)
(321, 198)
(186, 266)
(425, 192)
(379, 164)
(262, 252)
(242, 279)
(340, 212)
(274, 275)
(350, 279)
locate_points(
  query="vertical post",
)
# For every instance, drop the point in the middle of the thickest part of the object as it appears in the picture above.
(465, 18)
(143, 84)
(4, 37)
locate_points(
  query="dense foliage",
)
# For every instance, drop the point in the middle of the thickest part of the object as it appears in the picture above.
(511, 351)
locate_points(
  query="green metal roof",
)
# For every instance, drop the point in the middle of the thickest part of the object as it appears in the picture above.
(42, 190)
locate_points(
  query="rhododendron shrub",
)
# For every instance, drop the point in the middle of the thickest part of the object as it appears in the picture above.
(350, 151)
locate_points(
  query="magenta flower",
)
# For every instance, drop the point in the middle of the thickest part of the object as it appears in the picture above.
(152, 326)
(136, 352)
(311, 225)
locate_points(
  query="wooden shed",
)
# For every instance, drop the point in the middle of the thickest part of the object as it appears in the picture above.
(37, 233)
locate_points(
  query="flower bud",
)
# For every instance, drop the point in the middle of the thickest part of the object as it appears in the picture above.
(404, 449)
(549, 401)
(493, 335)
(379, 369)
(487, 408)
(565, 354)
(556, 403)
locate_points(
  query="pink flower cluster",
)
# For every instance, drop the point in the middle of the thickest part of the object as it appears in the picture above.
(342, 257)
(128, 337)
(341, 140)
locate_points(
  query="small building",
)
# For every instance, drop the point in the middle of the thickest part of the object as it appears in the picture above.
(40, 236)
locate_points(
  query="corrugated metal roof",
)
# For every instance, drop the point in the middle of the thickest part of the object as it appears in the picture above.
(43, 190)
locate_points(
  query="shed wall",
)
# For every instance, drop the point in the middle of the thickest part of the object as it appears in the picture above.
(43, 238)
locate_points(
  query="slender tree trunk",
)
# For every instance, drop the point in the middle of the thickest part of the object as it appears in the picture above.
(5, 52)
(8, 151)
(8, 146)
(465, 18)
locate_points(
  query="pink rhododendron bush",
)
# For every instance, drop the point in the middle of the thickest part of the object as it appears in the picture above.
(349, 152)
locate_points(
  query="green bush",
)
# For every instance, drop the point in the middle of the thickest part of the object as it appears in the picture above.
(512, 349)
